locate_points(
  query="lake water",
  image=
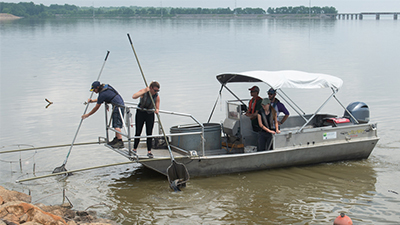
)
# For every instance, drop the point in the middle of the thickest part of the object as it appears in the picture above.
(59, 59)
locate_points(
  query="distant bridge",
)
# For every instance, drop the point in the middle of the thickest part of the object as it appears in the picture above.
(361, 15)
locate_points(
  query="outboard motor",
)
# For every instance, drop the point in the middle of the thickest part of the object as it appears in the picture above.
(359, 110)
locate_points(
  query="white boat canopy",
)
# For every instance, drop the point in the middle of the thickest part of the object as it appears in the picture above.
(284, 79)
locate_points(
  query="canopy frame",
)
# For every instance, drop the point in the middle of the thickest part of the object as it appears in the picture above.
(286, 79)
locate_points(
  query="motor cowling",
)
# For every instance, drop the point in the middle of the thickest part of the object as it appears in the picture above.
(359, 110)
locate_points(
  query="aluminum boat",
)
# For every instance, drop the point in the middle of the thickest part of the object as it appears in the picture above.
(231, 147)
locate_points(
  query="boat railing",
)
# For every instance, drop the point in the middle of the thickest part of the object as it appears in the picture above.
(128, 124)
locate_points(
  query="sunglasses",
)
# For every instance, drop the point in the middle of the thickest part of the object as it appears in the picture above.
(270, 94)
(156, 90)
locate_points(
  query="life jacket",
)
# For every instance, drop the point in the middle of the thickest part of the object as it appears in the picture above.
(252, 107)
(266, 120)
(145, 101)
(108, 87)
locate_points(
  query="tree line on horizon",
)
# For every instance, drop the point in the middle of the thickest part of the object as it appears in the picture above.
(31, 10)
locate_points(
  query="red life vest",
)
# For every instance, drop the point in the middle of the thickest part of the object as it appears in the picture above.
(252, 106)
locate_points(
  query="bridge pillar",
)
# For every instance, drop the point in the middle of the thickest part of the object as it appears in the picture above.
(377, 16)
(356, 15)
(395, 16)
(347, 16)
(351, 16)
(361, 16)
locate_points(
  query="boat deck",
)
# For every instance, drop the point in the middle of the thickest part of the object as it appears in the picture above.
(164, 153)
(142, 152)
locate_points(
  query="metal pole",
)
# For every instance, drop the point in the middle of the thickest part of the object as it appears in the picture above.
(316, 112)
(80, 123)
(83, 169)
(46, 147)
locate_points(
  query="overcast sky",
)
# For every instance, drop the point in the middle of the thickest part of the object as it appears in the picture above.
(341, 5)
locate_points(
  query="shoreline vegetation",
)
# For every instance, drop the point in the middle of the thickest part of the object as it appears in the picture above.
(30, 10)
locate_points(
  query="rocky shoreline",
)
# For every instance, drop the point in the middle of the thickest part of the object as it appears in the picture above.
(16, 208)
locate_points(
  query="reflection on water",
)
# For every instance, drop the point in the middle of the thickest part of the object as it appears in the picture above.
(299, 195)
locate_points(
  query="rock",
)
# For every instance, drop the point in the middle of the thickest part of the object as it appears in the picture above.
(9, 196)
(24, 218)
(11, 219)
(66, 205)
(31, 223)
(40, 216)
(71, 222)
(17, 212)
(4, 207)
(63, 212)
(15, 208)
(82, 213)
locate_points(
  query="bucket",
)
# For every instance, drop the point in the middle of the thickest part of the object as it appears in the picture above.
(212, 135)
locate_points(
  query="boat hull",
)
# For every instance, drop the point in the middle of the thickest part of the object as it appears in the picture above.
(296, 156)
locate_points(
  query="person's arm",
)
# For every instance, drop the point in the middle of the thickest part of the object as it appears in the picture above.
(84, 116)
(276, 124)
(252, 115)
(259, 121)
(92, 100)
(140, 93)
(284, 119)
(283, 109)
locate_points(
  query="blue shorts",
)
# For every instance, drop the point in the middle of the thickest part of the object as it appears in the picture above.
(116, 118)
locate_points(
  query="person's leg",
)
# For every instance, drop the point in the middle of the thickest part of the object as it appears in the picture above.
(139, 122)
(261, 141)
(268, 143)
(149, 130)
(118, 135)
(117, 125)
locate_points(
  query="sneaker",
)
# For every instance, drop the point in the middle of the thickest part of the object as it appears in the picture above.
(150, 155)
(118, 144)
(113, 141)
